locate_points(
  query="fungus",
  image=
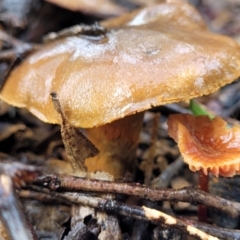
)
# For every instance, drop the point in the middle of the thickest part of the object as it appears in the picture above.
(102, 8)
(207, 144)
(151, 57)
(97, 7)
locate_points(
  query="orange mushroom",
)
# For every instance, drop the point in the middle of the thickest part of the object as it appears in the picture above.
(158, 55)
(207, 144)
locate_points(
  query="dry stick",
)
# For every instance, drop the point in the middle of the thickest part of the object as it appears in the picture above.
(42, 197)
(11, 212)
(189, 194)
(120, 208)
(166, 176)
(91, 30)
(23, 50)
(142, 213)
(5, 37)
(159, 217)
(20, 173)
(14, 56)
(222, 233)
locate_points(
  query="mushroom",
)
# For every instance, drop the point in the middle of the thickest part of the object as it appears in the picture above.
(102, 8)
(207, 144)
(151, 57)
(98, 7)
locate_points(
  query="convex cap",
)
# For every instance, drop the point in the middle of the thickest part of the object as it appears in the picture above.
(158, 55)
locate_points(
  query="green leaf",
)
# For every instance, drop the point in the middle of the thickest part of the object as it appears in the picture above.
(198, 109)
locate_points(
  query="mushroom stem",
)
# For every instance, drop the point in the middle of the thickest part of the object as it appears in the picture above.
(117, 142)
(203, 185)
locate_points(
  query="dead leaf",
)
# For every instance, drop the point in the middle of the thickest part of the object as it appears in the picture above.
(77, 146)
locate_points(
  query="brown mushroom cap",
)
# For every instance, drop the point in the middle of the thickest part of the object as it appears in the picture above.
(102, 7)
(207, 144)
(158, 55)
(98, 7)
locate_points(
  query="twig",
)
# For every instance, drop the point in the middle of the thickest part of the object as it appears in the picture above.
(189, 194)
(162, 218)
(12, 214)
(91, 30)
(14, 57)
(164, 179)
(226, 234)
(19, 52)
(116, 206)
(19, 172)
(142, 213)
(42, 197)
(10, 40)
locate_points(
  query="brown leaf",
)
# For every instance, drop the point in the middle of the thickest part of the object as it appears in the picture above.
(77, 146)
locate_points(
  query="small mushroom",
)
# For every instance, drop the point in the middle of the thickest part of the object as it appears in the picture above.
(151, 57)
(207, 144)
